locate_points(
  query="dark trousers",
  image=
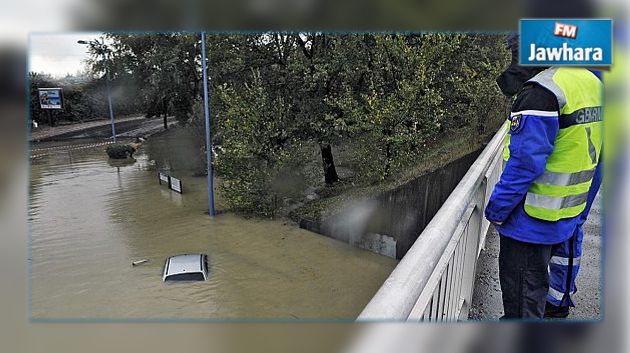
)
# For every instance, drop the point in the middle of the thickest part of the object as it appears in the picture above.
(524, 278)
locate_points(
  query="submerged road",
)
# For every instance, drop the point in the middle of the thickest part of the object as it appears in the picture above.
(136, 126)
(91, 217)
(486, 302)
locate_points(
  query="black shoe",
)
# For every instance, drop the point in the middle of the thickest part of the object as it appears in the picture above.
(555, 312)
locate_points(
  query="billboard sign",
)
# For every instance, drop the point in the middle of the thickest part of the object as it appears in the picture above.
(50, 98)
(566, 42)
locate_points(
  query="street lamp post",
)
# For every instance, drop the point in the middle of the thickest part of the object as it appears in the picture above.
(103, 50)
(206, 114)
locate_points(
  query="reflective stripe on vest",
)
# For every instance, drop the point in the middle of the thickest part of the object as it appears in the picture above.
(562, 190)
(555, 202)
(553, 178)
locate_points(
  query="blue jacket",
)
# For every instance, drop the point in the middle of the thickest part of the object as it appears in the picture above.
(530, 145)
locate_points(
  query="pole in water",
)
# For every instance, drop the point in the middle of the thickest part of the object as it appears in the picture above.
(206, 113)
(109, 94)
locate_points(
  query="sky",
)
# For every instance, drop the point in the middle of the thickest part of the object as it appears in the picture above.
(19, 18)
(59, 54)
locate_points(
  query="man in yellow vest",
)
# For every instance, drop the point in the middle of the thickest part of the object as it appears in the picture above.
(552, 150)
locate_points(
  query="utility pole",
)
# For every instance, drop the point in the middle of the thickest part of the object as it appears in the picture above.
(206, 113)
(103, 50)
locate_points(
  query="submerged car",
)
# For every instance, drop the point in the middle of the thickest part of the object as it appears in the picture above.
(187, 267)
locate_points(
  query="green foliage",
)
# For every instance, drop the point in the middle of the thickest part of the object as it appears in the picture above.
(120, 151)
(277, 98)
(390, 98)
(262, 165)
(196, 124)
(84, 98)
(422, 88)
(164, 66)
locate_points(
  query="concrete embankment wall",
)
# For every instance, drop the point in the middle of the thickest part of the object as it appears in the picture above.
(389, 223)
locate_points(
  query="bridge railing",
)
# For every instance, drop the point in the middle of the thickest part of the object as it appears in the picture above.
(434, 280)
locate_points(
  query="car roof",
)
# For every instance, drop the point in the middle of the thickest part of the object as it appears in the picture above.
(184, 263)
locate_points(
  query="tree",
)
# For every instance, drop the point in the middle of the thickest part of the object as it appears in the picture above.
(262, 162)
(323, 68)
(397, 109)
(415, 90)
(164, 66)
(84, 98)
(386, 98)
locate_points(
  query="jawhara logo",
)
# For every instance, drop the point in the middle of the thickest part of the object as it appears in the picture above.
(566, 42)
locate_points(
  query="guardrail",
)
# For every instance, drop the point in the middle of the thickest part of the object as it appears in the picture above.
(434, 280)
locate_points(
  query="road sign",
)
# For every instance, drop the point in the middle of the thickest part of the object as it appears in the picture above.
(50, 98)
(172, 182)
(163, 178)
(176, 185)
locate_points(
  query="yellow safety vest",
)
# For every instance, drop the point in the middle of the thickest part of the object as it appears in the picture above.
(562, 191)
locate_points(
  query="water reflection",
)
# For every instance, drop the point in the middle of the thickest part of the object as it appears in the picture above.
(91, 218)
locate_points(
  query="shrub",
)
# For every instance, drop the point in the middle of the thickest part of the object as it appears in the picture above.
(120, 151)
(261, 165)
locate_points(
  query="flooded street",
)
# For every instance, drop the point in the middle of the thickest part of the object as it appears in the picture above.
(90, 218)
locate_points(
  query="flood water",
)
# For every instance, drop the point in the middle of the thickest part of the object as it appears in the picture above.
(90, 218)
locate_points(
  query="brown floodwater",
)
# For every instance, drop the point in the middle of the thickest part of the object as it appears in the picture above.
(90, 218)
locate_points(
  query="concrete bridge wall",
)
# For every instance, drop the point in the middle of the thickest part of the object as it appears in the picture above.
(391, 222)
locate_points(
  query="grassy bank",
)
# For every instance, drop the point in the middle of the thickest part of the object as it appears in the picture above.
(443, 151)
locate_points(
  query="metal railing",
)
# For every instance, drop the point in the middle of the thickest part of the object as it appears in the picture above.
(434, 280)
